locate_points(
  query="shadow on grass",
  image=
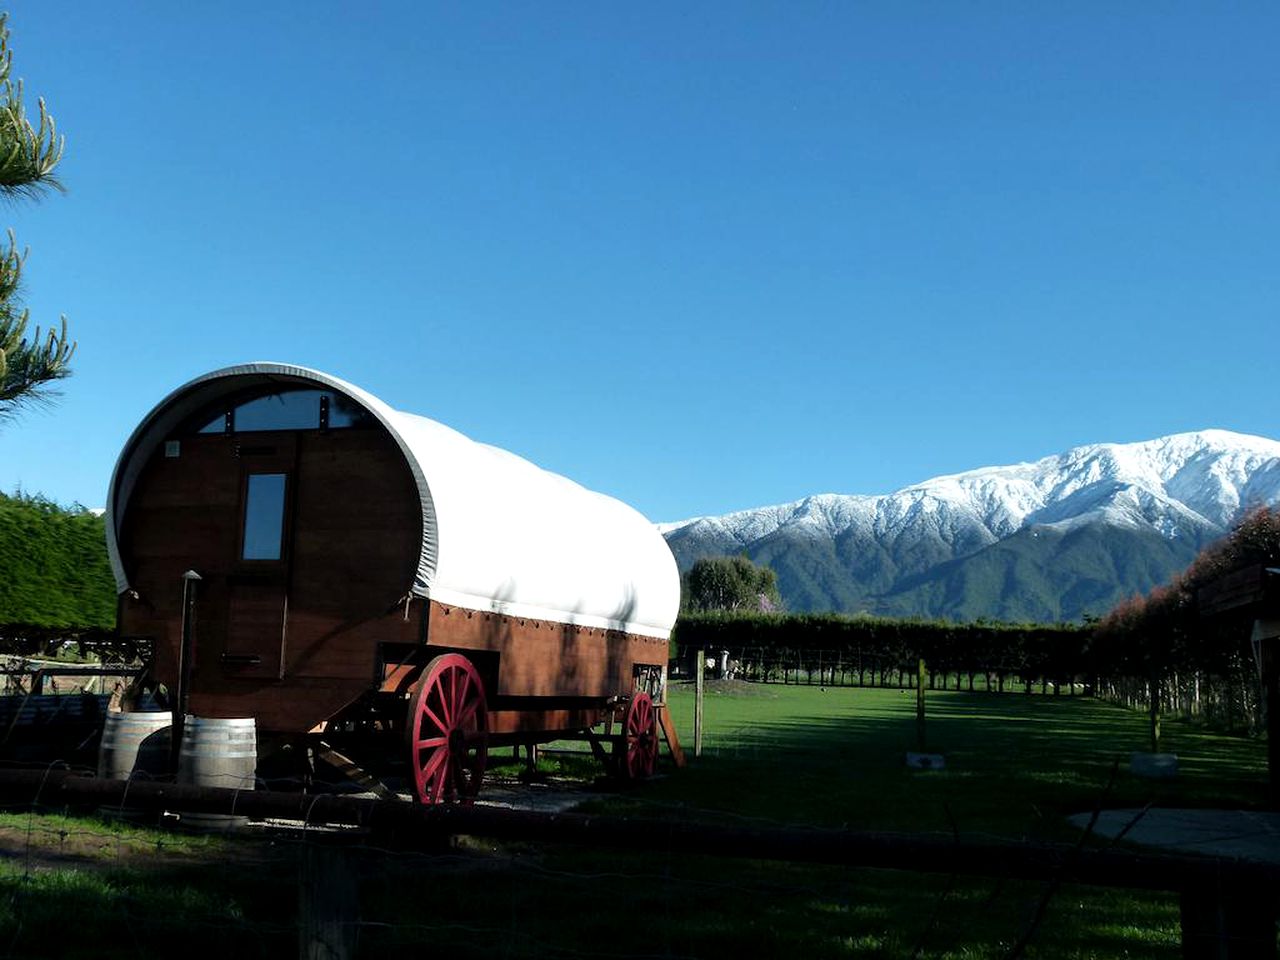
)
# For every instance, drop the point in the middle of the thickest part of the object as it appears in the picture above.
(1016, 765)
(193, 910)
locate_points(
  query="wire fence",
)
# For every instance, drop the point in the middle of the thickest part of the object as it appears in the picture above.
(279, 888)
(1230, 700)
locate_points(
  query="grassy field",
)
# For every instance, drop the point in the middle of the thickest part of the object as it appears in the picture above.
(1017, 766)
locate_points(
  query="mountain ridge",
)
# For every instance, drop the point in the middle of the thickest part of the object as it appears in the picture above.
(901, 553)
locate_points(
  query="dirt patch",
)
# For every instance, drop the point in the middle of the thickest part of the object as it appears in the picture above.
(49, 842)
(734, 688)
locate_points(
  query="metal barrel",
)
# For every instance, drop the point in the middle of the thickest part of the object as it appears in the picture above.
(134, 746)
(218, 752)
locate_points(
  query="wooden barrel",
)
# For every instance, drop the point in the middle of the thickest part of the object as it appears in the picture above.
(218, 752)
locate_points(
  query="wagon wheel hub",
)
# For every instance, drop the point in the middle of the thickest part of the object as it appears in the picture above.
(447, 730)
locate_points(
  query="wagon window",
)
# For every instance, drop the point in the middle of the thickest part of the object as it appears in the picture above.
(284, 410)
(264, 516)
(345, 412)
(296, 410)
(217, 425)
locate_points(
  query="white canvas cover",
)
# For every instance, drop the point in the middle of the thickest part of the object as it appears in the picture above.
(499, 534)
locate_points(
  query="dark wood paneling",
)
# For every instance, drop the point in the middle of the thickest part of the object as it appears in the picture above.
(1252, 590)
(358, 527)
(255, 629)
(544, 659)
(292, 706)
(353, 540)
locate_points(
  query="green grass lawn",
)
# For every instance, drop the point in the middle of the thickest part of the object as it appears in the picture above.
(1016, 764)
(783, 755)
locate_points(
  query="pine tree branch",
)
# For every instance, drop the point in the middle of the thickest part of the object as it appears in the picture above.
(29, 153)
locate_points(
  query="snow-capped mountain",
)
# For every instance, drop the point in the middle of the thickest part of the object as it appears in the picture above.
(1053, 539)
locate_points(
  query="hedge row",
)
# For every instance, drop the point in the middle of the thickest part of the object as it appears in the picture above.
(1042, 650)
(54, 572)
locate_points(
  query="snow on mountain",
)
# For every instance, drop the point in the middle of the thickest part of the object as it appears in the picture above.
(1187, 488)
(1204, 478)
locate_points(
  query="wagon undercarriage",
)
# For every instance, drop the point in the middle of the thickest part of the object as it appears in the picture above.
(435, 734)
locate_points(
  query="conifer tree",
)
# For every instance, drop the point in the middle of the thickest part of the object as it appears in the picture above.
(29, 153)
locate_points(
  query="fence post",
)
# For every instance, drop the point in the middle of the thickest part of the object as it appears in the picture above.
(920, 671)
(697, 702)
(328, 903)
(1228, 921)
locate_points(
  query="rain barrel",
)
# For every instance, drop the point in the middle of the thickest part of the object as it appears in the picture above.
(218, 752)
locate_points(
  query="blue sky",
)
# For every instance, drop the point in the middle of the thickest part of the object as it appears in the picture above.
(701, 258)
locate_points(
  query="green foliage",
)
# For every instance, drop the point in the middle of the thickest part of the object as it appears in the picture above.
(730, 584)
(1164, 632)
(1041, 575)
(54, 571)
(1045, 575)
(29, 153)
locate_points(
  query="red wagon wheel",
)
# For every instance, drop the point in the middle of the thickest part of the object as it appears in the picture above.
(640, 730)
(448, 731)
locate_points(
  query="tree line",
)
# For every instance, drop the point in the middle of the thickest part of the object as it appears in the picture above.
(886, 647)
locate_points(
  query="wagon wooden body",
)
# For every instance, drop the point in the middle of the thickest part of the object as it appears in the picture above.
(368, 572)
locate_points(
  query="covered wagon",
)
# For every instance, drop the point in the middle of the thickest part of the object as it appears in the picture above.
(374, 577)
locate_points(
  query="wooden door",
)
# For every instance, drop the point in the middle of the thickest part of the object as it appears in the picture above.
(257, 585)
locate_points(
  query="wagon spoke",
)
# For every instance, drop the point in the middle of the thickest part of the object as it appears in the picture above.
(446, 700)
(468, 713)
(433, 763)
(460, 697)
(431, 714)
(432, 742)
(432, 769)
